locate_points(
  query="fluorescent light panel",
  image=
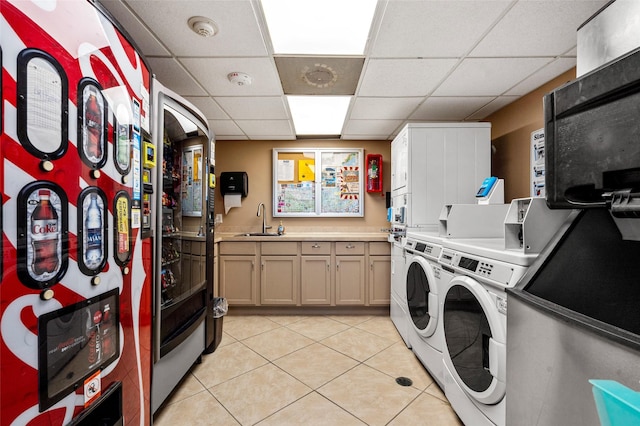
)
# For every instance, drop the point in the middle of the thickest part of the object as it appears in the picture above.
(318, 115)
(334, 27)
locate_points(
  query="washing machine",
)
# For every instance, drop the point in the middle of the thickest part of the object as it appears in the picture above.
(422, 289)
(398, 303)
(473, 307)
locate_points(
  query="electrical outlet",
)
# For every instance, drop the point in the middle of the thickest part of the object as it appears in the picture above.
(218, 219)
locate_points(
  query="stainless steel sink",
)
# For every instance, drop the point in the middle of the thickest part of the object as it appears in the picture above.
(258, 234)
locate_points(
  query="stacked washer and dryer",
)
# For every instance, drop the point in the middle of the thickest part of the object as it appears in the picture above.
(432, 164)
(448, 298)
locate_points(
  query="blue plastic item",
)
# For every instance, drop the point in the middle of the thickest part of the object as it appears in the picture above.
(486, 186)
(617, 404)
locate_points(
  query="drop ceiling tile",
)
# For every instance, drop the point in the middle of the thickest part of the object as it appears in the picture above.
(143, 38)
(212, 74)
(347, 137)
(225, 127)
(540, 77)
(383, 108)
(488, 76)
(172, 75)
(266, 108)
(493, 106)
(371, 127)
(447, 109)
(208, 107)
(537, 28)
(319, 75)
(258, 128)
(434, 28)
(403, 77)
(238, 31)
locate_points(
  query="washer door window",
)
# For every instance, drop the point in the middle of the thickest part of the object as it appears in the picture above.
(422, 298)
(475, 340)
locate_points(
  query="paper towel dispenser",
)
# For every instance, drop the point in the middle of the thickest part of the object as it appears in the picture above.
(234, 183)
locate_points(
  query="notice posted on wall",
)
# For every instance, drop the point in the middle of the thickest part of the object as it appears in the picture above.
(537, 164)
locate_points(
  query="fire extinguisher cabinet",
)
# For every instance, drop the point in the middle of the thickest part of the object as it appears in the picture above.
(374, 172)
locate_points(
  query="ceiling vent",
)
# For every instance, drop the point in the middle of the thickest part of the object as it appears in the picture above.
(320, 75)
(202, 26)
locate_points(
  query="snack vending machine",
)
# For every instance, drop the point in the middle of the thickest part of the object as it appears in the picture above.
(76, 275)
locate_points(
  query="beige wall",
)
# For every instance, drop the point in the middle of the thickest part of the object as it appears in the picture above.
(511, 129)
(255, 157)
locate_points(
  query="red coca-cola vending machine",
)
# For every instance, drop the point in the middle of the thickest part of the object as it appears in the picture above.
(76, 267)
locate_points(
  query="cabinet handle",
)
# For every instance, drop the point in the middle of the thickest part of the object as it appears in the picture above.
(315, 245)
(337, 266)
(350, 246)
(371, 266)
(328, 267)
(253, 265)
(262, 266)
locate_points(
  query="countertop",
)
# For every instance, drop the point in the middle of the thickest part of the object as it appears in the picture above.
(306, 236)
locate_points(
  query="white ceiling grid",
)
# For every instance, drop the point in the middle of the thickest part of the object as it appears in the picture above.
(426, 60)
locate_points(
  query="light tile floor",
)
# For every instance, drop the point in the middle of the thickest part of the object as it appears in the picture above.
(307, 370)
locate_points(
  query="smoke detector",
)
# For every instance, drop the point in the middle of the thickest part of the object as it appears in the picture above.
(239, 78)
(202, 26)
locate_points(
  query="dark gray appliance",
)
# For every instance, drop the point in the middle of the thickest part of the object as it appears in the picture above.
(575, 315)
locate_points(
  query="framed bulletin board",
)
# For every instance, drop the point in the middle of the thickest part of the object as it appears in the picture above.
(317, 182)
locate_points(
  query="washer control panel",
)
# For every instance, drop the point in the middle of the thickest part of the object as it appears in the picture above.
(428, 250)
(487, 269)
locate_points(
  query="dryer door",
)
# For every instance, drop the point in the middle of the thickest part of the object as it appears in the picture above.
(422, 296)
(475, 340)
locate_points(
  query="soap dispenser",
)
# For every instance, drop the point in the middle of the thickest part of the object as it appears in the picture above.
(280, 228)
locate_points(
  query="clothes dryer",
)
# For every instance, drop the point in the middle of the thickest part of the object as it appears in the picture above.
(422, 289)
(473, 307)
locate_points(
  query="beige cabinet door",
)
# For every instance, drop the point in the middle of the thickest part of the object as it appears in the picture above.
(379, 280)
(315, 272)
(238, 279)
(350, 280)
(279, 280)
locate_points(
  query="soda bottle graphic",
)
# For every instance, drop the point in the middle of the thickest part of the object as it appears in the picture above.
(45, 235)
(122, 156)
(94, 227)
(94, 355)
(93, 122)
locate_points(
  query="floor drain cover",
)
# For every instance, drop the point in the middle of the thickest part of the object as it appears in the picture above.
(404, 381)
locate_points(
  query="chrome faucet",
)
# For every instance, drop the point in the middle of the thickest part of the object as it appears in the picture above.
(264, 218)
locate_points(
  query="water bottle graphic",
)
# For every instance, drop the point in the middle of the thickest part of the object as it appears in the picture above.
(45, 235)
(94, 227)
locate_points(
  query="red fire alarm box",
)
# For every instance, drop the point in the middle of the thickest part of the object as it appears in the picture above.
(373, 165)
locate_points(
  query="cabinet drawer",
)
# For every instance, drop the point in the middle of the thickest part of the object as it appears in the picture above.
(379, 249)
(275, 248)
(322, 247)
(198, 247)
(349, 247)
(244, 247)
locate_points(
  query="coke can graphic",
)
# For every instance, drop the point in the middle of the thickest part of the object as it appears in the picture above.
(92, 238)
(42, 234)
(122, 227)
(92, 123)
